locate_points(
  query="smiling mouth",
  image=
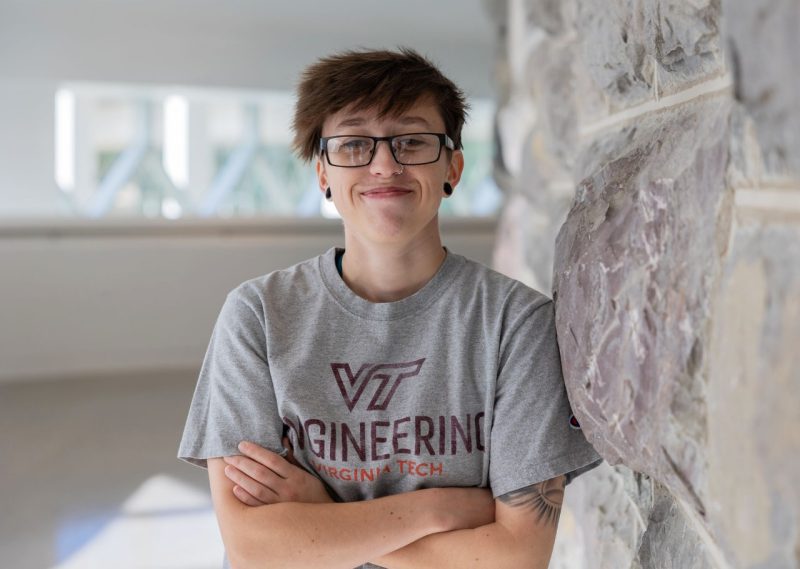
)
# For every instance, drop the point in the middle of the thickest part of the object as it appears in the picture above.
(385, 193)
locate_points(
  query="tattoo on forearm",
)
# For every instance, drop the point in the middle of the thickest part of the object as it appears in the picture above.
(544, 498)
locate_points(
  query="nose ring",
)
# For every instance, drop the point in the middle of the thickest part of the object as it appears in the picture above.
(401, 170)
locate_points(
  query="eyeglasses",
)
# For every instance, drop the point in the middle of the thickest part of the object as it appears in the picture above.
(410, 149)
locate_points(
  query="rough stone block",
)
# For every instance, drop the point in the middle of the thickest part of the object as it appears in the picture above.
(636, 50)
(552, 89)
(671, 540)
(754, 399)
(634, 268)
(545, 193)
(611, 505)
(746, 167)
(545, 14)
(510, 255)
(764, 49)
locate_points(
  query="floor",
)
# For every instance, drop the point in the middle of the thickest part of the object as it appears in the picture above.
(89, 478)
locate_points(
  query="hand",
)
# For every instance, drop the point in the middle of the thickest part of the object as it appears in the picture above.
(264, 477)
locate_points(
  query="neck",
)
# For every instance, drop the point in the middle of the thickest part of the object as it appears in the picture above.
(391, 272)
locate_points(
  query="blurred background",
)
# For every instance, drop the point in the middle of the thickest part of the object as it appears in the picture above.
(145, 171)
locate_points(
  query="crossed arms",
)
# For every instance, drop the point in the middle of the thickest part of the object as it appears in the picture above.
(273, 513)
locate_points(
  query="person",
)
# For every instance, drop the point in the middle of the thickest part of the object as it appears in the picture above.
(390, 403)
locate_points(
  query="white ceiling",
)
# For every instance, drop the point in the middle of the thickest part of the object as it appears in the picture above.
(234, 43)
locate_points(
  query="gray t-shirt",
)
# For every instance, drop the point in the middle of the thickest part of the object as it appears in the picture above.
(458, 384)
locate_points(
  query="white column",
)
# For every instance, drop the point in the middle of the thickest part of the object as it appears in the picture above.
(27, 140)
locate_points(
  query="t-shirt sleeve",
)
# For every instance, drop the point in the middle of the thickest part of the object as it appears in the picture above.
(531, 438)
(234, 399)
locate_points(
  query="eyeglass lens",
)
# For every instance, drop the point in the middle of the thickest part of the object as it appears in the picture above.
(408, 149)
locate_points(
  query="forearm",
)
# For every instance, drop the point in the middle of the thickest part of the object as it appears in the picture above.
(492, 545)
(295, 534)
(521, 536)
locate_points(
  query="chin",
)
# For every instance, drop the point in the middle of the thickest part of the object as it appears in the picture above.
(394, 230)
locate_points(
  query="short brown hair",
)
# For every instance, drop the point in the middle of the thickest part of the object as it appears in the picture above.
(390, 81)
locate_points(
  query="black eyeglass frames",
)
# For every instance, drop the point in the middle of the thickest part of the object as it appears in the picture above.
(411, 149)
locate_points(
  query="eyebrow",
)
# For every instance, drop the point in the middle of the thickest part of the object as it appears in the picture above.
(359, 121)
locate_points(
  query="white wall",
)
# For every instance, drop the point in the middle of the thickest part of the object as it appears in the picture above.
(102, 297)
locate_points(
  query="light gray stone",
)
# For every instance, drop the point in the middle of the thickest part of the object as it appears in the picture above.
(552, 89)
(638, 49)
(518, 221)
(546, 191)
(754, 398)
(764, 51)
(746, 167)
(545, 14)
(671, 541)
(611, 504)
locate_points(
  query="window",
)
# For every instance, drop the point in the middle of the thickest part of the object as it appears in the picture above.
(129, 151)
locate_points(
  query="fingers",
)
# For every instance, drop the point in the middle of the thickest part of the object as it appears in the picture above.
(264, 476)
(245, 497)
(273, 461)
(252, 492)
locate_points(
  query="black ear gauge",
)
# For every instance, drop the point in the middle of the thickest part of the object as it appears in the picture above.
(328, 194)
(448, 189)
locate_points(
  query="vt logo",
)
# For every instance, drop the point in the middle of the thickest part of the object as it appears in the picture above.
(386, 375)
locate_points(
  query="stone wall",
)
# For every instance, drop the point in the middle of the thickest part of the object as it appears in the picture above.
(650, 155)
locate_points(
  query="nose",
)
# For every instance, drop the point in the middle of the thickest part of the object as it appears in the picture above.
(383, 162)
